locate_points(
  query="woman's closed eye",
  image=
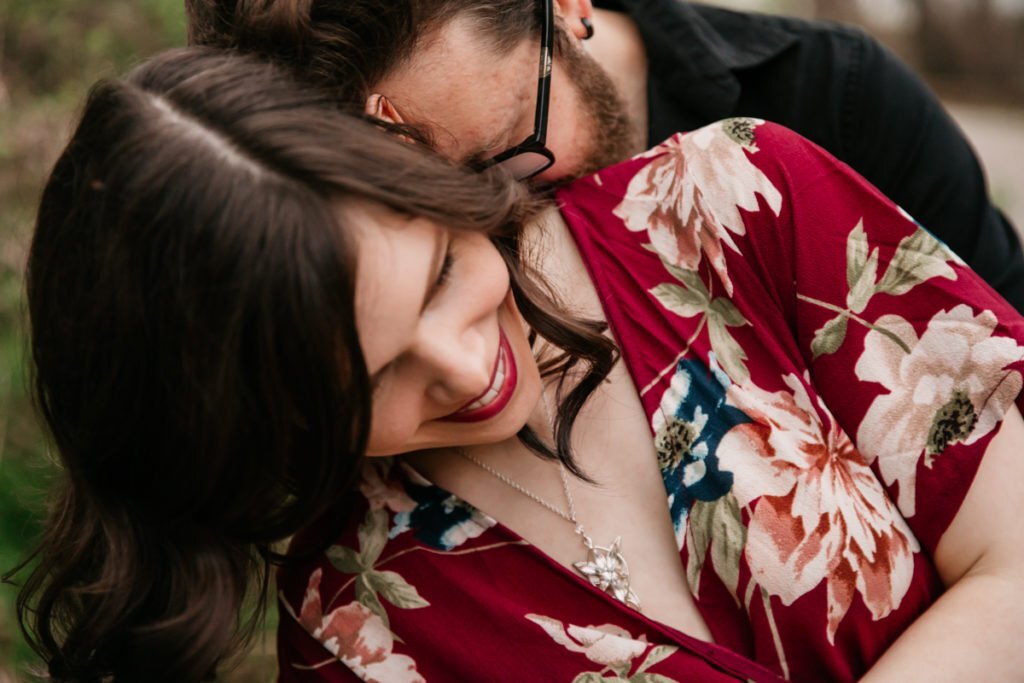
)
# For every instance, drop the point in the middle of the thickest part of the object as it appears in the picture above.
(446, 268)
(440, 282)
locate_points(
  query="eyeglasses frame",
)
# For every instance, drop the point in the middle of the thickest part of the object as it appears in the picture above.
(535, 143)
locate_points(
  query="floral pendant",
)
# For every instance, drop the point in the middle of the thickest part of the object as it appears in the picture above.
(606, 569)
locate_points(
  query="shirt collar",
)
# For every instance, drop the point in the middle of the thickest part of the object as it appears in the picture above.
(689, 55)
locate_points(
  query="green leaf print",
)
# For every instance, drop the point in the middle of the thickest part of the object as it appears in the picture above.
(396, 590)
(682, 302)
(861, 269)
(367, 596)
(593, 677)
(726, 311)
(651, 678)
(730, 537)
(693, 299)
(621, 670)
(656, 655)
(698, 538)
(830, 336)
(717, 525)
(729, 353)
(345, 559)
(918, 258)
(856, 255)
(690, 278)
(373, 536)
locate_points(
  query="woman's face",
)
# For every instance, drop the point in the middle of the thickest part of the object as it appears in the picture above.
(445, 345)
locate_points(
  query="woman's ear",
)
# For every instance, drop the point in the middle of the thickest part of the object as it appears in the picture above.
(576, 15)
(380, 107)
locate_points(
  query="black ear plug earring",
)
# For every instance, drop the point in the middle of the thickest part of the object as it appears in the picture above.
(588, 27)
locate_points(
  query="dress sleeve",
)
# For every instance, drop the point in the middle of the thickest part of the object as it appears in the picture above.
(916, 357)
(897, 134)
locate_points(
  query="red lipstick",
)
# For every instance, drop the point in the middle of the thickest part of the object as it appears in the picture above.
(497, 395)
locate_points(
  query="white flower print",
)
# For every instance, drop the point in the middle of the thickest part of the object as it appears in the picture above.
(952, 387)
(608, 645)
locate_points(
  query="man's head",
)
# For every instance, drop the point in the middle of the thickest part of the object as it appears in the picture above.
(462, 71)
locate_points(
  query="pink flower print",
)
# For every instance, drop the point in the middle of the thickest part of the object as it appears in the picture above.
(819, 513)
(357, 637)
(688, 198)
(381, 490)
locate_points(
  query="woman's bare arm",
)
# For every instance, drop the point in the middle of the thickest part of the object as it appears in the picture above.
(976, 630)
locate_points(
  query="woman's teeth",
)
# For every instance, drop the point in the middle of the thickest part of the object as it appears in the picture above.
(492, 391)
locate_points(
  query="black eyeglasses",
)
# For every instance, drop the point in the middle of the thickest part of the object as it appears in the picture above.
(531, 156)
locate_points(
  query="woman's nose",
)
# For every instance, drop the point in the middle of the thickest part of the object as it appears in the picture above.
(459, 368)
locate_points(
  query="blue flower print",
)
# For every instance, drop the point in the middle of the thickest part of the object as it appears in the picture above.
(690, 422)
(440, 519)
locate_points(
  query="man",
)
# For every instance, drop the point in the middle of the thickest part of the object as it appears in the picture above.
(627, 74)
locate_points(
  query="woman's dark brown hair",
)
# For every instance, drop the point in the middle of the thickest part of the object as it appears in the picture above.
(191, 292)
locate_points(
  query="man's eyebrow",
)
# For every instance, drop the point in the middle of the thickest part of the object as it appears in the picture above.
(436, 263)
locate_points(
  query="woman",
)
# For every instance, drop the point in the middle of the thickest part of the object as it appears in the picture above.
(236, 294)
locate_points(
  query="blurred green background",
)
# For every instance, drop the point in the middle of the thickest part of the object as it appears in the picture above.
(52, 50)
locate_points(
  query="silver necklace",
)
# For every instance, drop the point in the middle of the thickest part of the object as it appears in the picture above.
(605, 567)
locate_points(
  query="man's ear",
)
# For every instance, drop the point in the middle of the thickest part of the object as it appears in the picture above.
(573, 12)
(380, 107)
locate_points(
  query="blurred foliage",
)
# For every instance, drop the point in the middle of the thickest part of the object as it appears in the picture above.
(50, 52)
(51, 47)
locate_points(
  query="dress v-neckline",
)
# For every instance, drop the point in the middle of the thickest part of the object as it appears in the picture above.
(721, 656)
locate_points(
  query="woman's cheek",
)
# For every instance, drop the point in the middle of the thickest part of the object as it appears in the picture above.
(386, 433)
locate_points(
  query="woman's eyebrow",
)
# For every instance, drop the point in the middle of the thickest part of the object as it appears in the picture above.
(437, 261)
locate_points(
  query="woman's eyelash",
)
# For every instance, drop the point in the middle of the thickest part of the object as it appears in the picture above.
(442, 280)
(446, 267)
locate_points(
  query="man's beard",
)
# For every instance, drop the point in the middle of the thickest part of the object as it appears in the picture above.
(613, 135)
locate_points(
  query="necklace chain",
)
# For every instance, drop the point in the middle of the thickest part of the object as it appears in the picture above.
(605, 567)
(569, 516)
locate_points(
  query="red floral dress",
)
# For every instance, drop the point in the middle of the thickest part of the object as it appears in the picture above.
(822, 378)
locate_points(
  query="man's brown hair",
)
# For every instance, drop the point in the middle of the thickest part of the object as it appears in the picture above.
(348, 46)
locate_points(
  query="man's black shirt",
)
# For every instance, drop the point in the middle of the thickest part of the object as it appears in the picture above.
(838, 87)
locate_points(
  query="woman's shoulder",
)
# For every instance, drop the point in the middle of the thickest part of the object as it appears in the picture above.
(776, 151)
(732, 161)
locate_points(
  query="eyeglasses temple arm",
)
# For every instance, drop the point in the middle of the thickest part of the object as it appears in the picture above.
(540, 123)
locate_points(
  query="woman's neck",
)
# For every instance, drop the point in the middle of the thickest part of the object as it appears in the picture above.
(548, 247)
